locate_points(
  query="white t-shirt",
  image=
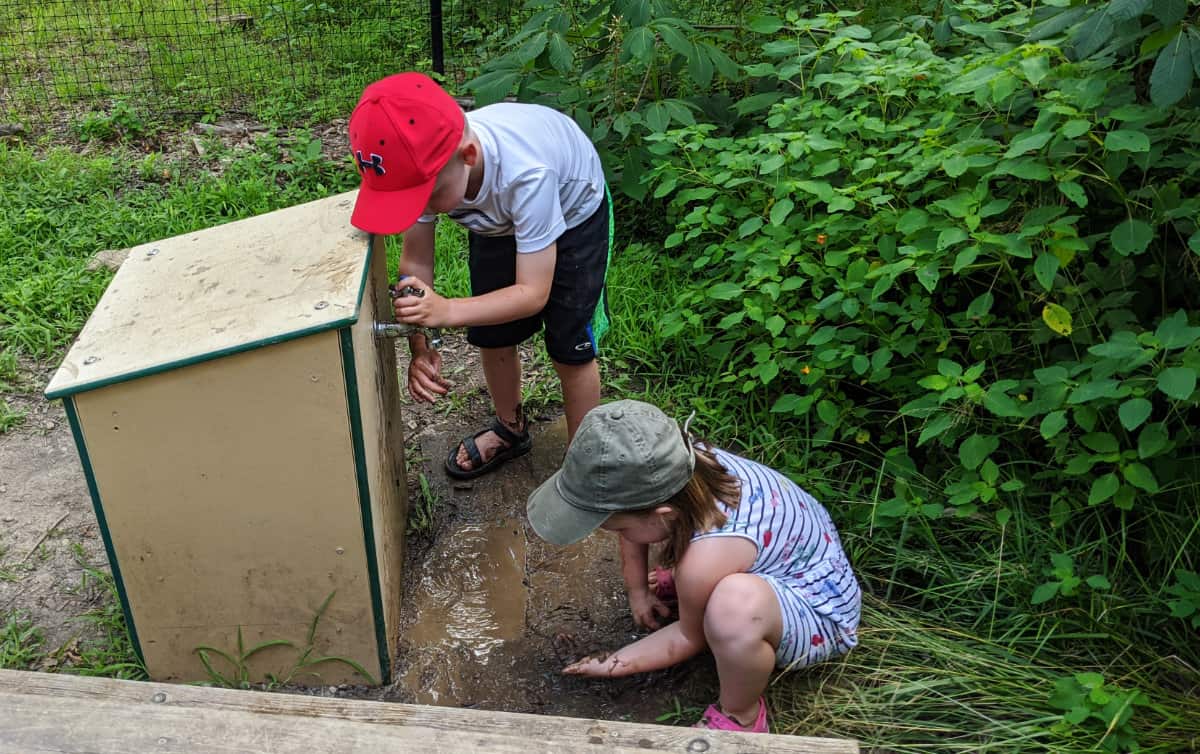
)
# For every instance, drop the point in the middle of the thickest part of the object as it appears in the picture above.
(541, 175)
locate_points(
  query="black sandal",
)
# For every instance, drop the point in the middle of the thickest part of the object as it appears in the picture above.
(518, 445)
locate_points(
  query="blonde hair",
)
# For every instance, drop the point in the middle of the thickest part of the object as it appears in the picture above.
(695, 505)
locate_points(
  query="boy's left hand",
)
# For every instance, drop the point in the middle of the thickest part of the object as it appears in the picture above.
(596, 666)
(430, 310)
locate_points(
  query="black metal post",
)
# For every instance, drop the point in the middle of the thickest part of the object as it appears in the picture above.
(435, 36)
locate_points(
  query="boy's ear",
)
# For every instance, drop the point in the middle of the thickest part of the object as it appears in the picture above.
(470, 154)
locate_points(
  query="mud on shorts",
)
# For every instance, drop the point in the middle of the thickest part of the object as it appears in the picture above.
(821, 608)
(576, 314)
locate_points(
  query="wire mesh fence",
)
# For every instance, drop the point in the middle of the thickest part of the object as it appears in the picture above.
(269, 58)
(202, 54)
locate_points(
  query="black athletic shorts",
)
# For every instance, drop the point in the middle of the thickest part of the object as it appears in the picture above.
(576, 315)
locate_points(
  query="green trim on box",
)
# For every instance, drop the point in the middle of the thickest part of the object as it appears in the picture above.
(364, 502)
(201, 358)
(90, 476)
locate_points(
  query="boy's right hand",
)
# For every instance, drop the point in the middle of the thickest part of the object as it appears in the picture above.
(425, 382)
(647, 609)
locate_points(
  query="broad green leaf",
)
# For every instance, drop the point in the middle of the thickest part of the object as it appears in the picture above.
(1035, 68)
(1057, 23)
(828, 413)
(1169, 12)
(781, 210)
(494, 86)
(757, 102)
(935, 427)
(1172, 75)
(1091, 35)
(764, 24)
(1045, 268)
(1152, 440)
(929, 275)
(912, 221)
(725, 291)
(1044, 593)
(1123, 10)
(775, 324)
(638, 45)
(532, 47)
(1131, 237)
(1073, 129)
(1053, 423)
(949, 237)
(1174, 331)
(751, 225)
(676, 40)
(792, 404)
(1028, 142)
(700, 67)
(1098, 581)
(1194, 241)
(561, 56)
(975, 450)
(1057, 319)
(1125, 140)
(955, 166)
(1103, 488)
(1134, 412)
(1074, 192)
(1141, 477)
(657, 116)
(771, 164)
(1096, 389)
(1177, 382)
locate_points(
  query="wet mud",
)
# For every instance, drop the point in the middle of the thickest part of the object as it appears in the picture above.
(491, 614)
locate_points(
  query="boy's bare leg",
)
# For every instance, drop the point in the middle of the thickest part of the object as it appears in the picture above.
(581, 391)
(502, 370)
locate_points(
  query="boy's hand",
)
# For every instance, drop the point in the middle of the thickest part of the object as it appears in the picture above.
(602, 665)
(425, 382)
(429, 310)
(647, 609)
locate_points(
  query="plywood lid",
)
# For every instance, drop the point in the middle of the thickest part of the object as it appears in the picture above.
(222, 290)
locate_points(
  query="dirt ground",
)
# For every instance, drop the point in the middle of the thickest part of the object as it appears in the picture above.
(490, 614)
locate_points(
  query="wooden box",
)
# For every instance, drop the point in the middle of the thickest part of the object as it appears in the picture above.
(238, 424)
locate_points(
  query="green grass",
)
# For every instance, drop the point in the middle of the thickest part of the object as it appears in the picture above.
(20, 642)
(59, 208)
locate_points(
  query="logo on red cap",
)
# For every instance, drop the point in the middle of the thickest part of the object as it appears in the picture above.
(375, 164)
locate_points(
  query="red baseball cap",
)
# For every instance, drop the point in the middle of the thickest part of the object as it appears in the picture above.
(403, 131)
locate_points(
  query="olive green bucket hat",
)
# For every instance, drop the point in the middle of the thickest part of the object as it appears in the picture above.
(626, 456)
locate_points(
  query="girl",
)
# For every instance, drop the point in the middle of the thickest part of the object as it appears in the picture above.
(759, 571)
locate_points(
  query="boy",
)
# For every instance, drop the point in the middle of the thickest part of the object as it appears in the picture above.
(528, 184)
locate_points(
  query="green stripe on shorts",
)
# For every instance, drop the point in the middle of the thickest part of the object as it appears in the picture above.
(600, 321)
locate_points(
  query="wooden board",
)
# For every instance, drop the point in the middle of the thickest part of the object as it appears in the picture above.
(230, 495)
(60, 713)
(383, 437)
(232, 287)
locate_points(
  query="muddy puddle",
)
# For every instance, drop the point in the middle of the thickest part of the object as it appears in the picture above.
(491, 614)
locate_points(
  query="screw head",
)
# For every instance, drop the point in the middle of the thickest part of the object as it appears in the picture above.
(698, 745)
(152, 252)
(91, 360)
(159, 698)
(321, 305)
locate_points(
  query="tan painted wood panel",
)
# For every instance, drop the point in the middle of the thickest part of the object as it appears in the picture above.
(230, 494)
(221, 288)
(58, 713)
(383, 437)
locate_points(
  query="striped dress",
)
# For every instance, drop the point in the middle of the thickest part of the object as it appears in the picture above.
(800, 556)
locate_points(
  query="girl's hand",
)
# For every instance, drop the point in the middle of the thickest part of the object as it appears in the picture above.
(429, 310)
(601, 665)
(647, 609)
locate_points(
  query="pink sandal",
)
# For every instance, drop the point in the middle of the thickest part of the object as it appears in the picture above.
(664, 584)
(715, 719)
